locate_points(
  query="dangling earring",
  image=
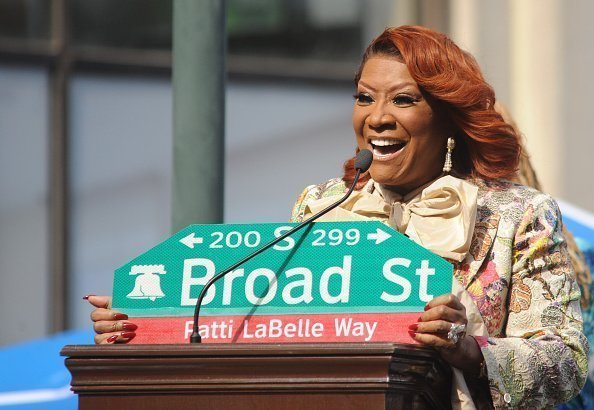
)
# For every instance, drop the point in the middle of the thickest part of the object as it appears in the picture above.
(447, 167)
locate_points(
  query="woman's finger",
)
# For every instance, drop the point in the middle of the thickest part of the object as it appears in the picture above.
(105, 338)
(99, 301)
(447, 300)
(441, 327)
(436, 340)
(114, 337)
(444, 313)
(107, 314)
(109, 326)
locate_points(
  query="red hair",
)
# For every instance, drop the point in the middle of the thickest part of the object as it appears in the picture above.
(486, 146)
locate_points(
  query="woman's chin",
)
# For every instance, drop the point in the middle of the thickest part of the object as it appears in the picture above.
(385, 177)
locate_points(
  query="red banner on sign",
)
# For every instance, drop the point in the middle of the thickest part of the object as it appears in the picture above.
(343, 327)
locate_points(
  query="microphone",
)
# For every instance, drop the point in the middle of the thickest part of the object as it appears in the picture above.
(362, 163)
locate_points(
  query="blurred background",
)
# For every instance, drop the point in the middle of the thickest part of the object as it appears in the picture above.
(86, 133)
(86, 121)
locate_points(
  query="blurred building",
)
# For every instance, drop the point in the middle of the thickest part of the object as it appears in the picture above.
(85, 121)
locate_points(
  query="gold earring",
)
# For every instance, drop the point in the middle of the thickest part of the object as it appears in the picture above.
(447, 166)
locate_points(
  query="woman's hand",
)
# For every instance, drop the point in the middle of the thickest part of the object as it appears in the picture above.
(434, 325)
(110, 326)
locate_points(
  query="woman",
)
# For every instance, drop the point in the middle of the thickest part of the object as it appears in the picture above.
(424, 110)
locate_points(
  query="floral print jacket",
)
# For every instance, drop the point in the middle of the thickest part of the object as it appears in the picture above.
(519, 275)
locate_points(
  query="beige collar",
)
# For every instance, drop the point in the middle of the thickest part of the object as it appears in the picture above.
(439, 216)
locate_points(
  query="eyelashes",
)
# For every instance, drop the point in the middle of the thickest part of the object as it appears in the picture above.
(400, 100)
(363, 98)
(405, 100)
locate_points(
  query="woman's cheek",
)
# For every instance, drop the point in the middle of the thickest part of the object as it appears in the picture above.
(361, 142)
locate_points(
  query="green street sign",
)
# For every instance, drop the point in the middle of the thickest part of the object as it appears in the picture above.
(327, 267)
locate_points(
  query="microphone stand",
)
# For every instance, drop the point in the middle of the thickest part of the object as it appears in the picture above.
(195, 337)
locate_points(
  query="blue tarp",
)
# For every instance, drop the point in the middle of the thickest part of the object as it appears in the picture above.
(581, 225)
(34, 376)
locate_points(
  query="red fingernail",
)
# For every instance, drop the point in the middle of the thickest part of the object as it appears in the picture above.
(129, 326)
(414, 327)
(112, 339)
(120, 316)
(86, 297)
(419, 319)
(412, 334)
(426, 308)
(128, 335)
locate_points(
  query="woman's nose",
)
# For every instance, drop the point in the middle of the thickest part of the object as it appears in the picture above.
(380, 116)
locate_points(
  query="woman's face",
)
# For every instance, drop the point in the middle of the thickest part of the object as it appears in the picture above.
(392, 118)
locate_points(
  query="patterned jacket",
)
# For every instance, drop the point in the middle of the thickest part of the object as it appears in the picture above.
(519, 275)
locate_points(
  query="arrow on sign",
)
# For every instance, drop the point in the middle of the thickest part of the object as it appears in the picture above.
(379, 236)
(191, 240)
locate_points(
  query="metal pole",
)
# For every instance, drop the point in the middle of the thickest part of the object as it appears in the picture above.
(199, 48)
(59, 190)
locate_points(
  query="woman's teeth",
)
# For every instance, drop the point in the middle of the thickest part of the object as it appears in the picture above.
(384, 147)
(385, 142)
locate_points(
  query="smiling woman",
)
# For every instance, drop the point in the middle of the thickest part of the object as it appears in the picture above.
(424, 109)
(449, 80)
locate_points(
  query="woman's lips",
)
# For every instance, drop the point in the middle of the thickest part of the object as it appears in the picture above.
(385, 149)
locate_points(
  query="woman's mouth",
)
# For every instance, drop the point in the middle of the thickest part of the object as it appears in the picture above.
(385, 148)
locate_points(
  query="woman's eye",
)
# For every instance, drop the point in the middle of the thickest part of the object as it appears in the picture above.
(404, 100)
(363, 99)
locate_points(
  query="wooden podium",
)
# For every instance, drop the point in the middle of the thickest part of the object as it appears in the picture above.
(259, 376)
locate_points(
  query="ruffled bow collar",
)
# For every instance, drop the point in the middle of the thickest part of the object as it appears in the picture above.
(439, 216)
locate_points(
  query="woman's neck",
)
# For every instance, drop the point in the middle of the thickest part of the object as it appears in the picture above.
(405, 191)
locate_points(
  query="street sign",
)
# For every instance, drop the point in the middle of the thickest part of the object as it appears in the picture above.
(331, 281)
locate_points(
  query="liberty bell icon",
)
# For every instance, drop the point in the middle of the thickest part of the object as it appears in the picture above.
(148, 282)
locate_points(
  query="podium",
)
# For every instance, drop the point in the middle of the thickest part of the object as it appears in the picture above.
(259, 376)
